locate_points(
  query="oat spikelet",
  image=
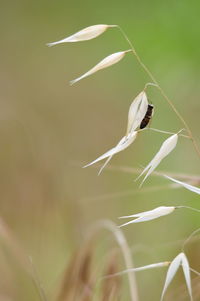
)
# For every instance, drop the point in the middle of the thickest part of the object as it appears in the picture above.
(85, 34)
(149, 215)
(179, 260)
(122, 145)
(105, 63)
(137, 111)
(166, 148)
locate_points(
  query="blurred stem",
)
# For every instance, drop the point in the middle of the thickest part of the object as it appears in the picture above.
(7, 237)
(196, 147)
(121, 240)
(194, 271)
(189, 238)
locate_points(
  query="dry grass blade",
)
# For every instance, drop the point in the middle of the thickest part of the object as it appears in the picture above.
(193, 178)
(121, 240)
(13, 246)
(67, 288)
(111, 287)
(125, 193)
(77, 283)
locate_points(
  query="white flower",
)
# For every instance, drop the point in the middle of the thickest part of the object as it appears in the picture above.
(149, 215)
(123, 144)
(85, 34)
(187, 186)
(105, 63)
(137, 111)
(166, 148)
(180, 260)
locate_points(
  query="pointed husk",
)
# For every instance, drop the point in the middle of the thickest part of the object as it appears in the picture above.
(149, 215)
(105, 63)
(165, 149)
(123, 144)
(137, 111)
(85, 34)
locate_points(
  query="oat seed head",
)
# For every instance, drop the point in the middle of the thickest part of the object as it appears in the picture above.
(149, 215)
(123, 144)
(179, 260)
(105, 63)
(85, 34)
(165, 149)
(137, 111)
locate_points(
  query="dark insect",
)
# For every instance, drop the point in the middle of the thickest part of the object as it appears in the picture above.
(147, 117)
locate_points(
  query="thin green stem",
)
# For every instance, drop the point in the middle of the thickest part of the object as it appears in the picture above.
(164, 132)
(196, 147)
(188, 207)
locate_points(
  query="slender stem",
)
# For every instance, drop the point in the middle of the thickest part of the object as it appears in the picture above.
(121, 240)
(164, 132)
(161, 91)
(189, 238)
(37, 282)
(188, 207)
(7, 237)
(194, 271)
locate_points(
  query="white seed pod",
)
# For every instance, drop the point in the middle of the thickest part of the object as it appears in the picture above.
(179, 260)
(187, 186)
(137, 111)
(166, 148)
(186, 271)
(105, 63)
(149, 215)
(123, 144)
(85, 34)
(139, 269)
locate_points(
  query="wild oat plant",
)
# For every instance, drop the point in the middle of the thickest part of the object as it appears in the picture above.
(139, 115)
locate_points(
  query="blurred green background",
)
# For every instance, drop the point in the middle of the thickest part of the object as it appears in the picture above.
(49, 130)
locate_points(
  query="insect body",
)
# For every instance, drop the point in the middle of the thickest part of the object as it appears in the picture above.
(147, 117)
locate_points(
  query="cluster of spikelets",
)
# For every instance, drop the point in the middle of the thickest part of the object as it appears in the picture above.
(137, 112)
(78, 281)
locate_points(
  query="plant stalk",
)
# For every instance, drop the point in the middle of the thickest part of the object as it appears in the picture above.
(196, 147)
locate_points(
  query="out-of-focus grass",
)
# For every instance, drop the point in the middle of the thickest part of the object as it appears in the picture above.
(49, 131)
